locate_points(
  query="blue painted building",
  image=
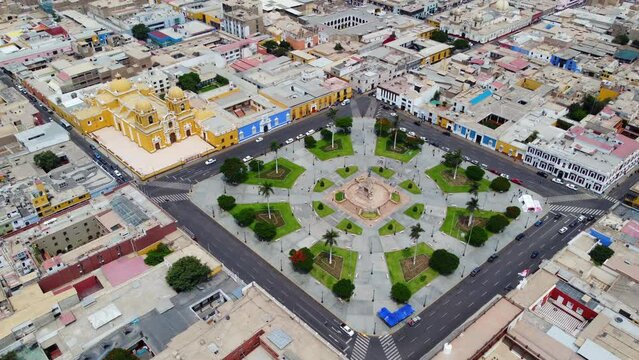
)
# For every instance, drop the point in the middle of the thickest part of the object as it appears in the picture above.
(270, 117)
(566, 59)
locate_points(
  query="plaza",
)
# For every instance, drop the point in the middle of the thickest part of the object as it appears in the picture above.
(372, 252)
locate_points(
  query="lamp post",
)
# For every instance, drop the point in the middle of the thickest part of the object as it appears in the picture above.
(322, 301)
(463, 270)
(281, 265)
(497, 244)
(373, 296)
(281, 247)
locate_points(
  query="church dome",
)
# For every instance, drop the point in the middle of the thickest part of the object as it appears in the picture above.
(175, 93)
(143, 105)
(502, 5)
(120, 85)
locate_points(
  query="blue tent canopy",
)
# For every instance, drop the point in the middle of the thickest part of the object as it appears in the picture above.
(604, 240)
(393, 318)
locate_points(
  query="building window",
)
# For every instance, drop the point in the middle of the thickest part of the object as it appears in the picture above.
(150, 119)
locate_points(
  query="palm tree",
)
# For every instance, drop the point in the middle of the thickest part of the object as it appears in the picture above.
(330, 238)
(474, 188)
(332, 114)
(453, 159)
(472, 205)
(395, 125)
(415, 232)
(274, 147)
(266, 190)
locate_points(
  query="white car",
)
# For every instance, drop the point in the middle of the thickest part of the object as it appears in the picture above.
(557, 180)
(423, 138)
(393, 114)
(475, 162)
(563, 230)
(210, 161)
(411, 133)
(346, 102)
(484, 166)
(505, 176)
(247, 158)
(446, 149)
(347, 329)
(289, 141)
(310, 132)
(259, 139)
(402, 129)
(117, 173)
(466, 158)
(571, 187)
(300, 137)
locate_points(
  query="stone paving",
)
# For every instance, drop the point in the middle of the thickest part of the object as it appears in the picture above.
(372, 284)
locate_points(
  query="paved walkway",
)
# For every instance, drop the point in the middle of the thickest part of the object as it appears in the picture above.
(372, 279)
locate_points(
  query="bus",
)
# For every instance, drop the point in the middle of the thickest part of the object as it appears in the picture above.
(65, 124)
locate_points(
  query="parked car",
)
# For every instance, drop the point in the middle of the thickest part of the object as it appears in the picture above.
(517, 181)
(117, 173)
(475, 271)
(557, 180)
(346, 102)
(590, 217)
(347, 329)
(521, 235)
(475, 162)
(505, 176)
(581, 218)
(210, 161)
(539, 222)
(484, 166)
(402, 129)
(393, 114)
(492, 258)
(445, 148)
(494, 171)
(423, 138)
(534, 254)
(411, 134)
(92, 147)
(563, 230)
(446, 133)
(414, 321)
(542, 174)
(466, 158)
(571, 187)
(300, 137)
(289, 141)
(259, 139)
(247, 158)
(310, 132)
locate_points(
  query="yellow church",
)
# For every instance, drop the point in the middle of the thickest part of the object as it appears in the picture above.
(139, 114)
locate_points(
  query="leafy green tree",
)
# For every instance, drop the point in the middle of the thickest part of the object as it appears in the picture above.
(453, 159)
(400, 293)
(472, 205)
(221, 80)
(497, 223)
(234, 170)
(599, 254)
(343, 289)
(309, 142)
(500, 184)
(285, 45)
(415, 232)
(140, 32)
(189, 81)
(330, 239)
(338, 47)
(461, 44)
(512, 212)
(326, 134)
(226, 202)
(11, 355)
(382, 127)
(475, 173)
(477, 236)
(255, 165)
(439, 36)
(187, 272)
(265, 231)
(344, 123)
(266, 190)
(47, 160)
(302, 260)
(245, 217)
(621, 39)
(157, 255)
(443, 262)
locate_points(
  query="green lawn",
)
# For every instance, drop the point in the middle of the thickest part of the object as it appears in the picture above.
(318, 185)
(390, 228)
(345, 172)
(348, 265)
(382, 148)
(355, 229)
(385, 173)
(284, 209)
(288, 173)
(393, 261)
(327, 210)
(458, 185)
(415, 211)
(451, 227)
(410, 186)
(344, 147)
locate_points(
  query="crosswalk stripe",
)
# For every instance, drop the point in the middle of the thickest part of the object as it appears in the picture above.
(170, 197)
(360, 348)
(389, 347)
(576, 209)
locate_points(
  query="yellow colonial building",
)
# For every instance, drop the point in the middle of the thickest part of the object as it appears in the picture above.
(139, 114)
